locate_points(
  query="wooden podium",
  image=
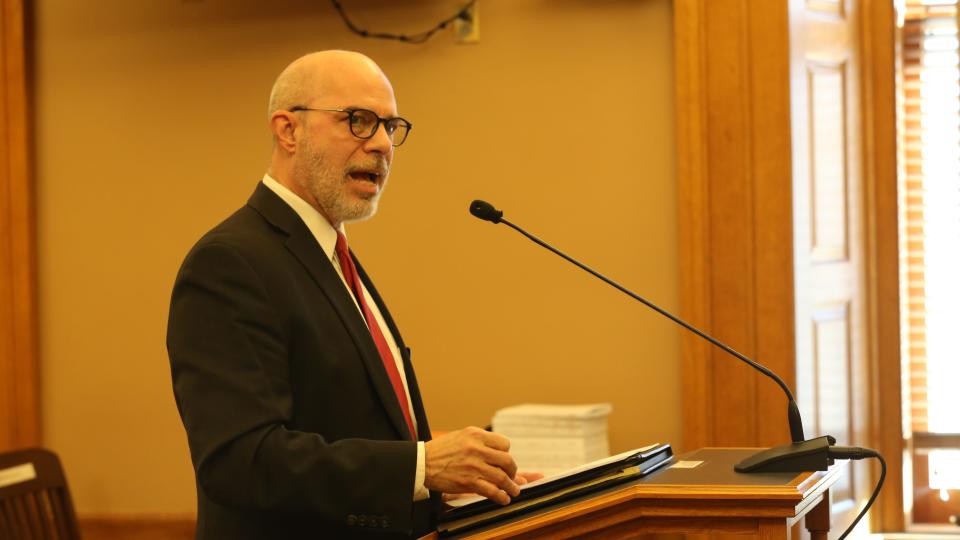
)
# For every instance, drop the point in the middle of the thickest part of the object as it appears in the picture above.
(687, 497)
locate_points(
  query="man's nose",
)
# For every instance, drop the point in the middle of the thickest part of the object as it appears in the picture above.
(380, 142)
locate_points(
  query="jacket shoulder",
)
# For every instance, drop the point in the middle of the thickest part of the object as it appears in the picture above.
(246, 231)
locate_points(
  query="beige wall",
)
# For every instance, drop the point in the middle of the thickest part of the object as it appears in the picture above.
(151, 128)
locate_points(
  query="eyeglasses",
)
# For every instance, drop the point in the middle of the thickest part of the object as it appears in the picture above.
(364, 124)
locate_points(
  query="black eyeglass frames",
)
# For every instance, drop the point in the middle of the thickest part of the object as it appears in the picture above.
(364, 124)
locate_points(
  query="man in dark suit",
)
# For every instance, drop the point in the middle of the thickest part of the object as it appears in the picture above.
(296, 390)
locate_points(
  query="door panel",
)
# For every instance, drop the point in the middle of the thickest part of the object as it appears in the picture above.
(832, 385)
(828, 181)
(828, 234)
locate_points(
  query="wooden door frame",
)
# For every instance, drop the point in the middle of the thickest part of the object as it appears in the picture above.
(734, 175)
(19, 362)
(877, 48)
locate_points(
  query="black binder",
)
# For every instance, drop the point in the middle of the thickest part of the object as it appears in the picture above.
(462, 515)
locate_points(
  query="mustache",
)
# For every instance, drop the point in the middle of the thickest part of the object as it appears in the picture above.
(378, 166)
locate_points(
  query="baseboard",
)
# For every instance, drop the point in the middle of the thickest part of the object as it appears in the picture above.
(137, 526)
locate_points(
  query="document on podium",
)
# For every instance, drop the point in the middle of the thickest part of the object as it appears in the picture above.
(466, 513)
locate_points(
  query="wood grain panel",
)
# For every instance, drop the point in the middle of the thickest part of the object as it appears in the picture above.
(773, 216)
(733, 161)
(826, 85)
(831, 360)
(731, 245)
(832, 368)
(883, 293)
(692, 179)
(19, 365)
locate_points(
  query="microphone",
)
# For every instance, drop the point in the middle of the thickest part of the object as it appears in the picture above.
(798, 456)
(485, 211)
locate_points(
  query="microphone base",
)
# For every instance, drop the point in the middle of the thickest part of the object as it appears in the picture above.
(812, 455)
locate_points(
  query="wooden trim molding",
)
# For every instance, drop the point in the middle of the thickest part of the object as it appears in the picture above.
(734, 183)
(139, 526)
(692, 206)
(19, 362)
(877, 26)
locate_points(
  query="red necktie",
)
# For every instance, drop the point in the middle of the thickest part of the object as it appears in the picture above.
(353, 279)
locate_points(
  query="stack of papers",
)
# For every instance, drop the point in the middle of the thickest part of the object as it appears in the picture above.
(554, 438)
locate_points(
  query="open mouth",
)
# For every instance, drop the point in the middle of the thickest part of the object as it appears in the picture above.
(366, 176)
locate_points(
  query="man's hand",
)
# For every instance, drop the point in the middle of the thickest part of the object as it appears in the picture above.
(520, 479)
(526, 477)
(471, 460)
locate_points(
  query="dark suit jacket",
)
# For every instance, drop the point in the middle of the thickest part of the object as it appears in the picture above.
(293, 426)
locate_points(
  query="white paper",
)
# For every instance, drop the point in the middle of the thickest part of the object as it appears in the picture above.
(685, 464)
(463, 501)
(541, 412)
(17, 474)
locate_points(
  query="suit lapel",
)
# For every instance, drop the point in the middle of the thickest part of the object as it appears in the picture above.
(301, 243)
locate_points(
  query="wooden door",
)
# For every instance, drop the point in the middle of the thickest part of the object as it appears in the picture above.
(829, 241)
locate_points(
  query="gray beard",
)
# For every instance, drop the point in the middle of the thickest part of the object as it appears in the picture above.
(326, 185)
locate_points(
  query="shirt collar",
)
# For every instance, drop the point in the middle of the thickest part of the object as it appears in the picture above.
(318, 225)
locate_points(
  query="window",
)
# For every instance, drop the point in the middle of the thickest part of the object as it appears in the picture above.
(930, 256)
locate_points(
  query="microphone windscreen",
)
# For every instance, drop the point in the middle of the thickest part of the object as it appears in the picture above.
(485, 211)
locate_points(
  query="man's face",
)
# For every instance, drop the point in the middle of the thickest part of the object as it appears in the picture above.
(343, 174)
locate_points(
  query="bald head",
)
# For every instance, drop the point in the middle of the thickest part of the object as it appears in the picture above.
(316, 153)
(315, 74)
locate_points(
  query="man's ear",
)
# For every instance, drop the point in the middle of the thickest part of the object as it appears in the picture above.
(284, 126)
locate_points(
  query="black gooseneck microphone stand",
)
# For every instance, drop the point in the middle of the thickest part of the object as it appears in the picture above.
(798, 456)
